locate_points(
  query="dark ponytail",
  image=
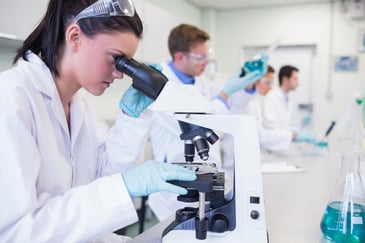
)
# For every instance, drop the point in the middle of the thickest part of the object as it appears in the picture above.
(49, 35)
(44, 40)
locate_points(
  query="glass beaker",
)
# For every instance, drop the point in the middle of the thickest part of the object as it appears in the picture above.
(344, 218)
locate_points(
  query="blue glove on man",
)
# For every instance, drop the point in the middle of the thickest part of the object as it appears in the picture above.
(305, 137)
(257, 64)
(254, 70)
(133, 101)
(151, 177)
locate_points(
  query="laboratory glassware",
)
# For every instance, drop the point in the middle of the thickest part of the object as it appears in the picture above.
(344, 218)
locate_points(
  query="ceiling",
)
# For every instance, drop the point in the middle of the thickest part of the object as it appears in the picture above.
(231, 4)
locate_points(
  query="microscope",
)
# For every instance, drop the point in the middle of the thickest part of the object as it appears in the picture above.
(239, 217)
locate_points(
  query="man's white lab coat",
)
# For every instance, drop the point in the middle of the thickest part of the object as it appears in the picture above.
(270, 139)
(277, 111)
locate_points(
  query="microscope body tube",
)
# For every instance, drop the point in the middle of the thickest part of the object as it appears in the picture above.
(189, 151)
(146, 79)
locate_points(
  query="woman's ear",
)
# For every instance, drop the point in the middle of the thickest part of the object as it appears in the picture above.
(73, 37)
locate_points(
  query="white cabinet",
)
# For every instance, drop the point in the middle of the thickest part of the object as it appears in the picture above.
(8, 49)
(20, 17)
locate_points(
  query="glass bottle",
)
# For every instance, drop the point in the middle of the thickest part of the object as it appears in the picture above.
(344, 218)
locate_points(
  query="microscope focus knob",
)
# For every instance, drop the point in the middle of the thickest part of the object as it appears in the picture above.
(219, 223)
(255, 214)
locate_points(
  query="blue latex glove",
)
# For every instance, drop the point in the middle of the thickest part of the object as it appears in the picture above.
(254, 71)
(151, 177)
(156, 67)
(257, 64)
(133, 101)
(305, 137)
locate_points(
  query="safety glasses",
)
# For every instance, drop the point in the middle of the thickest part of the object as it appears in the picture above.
(266, 81)
(106, 8)
(199, 58)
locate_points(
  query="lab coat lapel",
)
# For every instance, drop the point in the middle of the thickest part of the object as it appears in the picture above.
(285, 109)
(77, 111)
(45, 84)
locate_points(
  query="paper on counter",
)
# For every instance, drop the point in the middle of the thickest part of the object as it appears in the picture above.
(280, 167)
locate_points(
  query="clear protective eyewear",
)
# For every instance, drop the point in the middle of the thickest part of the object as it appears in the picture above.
(199, 58)
(107, 8)
(266, 81)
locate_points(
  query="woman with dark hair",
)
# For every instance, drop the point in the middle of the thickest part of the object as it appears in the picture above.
(63, 178)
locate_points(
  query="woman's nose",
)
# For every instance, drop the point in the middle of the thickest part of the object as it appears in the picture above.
(117, 74)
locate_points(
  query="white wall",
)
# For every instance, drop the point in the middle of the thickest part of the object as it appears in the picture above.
(20, 17)
(297, 25)
(158, 17)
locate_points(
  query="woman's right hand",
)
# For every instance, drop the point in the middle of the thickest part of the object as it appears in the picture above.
(151, 177)
(134, 102)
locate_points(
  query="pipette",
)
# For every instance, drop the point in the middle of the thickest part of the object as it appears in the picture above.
(329, 129)
(323, 142)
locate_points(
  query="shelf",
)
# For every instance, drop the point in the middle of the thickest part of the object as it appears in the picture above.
(11, 43)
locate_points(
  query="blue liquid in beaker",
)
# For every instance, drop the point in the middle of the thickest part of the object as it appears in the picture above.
(344, 227)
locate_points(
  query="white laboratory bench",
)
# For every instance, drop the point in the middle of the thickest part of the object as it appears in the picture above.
(294, 202)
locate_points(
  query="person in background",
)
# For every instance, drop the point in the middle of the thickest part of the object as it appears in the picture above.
(63, 177)
(270, 139)
(250, 101)
(278, 108)
(189, 49)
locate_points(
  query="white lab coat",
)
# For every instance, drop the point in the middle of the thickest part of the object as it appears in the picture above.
(167, 146)
(277, 111)
(58, 186)
(270, 139)
(238, 101)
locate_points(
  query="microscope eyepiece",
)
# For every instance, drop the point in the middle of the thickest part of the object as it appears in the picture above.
(145, 79)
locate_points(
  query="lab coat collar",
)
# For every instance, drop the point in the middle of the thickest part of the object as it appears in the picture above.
(77, 110)
(184, 78)
(285, 95)
(43, 81)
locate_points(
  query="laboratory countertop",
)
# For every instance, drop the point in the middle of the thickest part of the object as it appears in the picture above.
(295, 202)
